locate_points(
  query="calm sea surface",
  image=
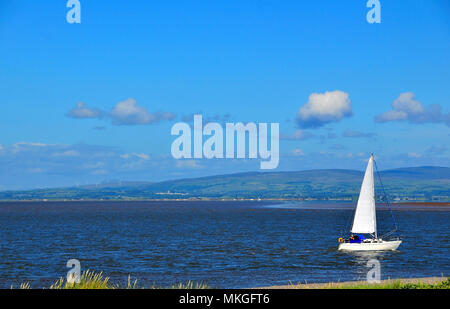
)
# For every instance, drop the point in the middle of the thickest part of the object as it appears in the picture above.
(223, 244)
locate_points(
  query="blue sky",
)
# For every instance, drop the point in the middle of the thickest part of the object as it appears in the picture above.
(230, 60)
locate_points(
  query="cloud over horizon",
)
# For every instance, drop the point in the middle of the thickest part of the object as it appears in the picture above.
(83, 112)
(37, 164)
(407, 108)
(126, 112)
(357, 134)
(324, 108)
(298, 135)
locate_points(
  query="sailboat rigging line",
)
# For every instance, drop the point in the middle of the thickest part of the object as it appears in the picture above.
(387, 199)
(350, 216)
(388, 234)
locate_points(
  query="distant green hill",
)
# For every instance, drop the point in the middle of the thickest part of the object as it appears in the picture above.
(423, 183)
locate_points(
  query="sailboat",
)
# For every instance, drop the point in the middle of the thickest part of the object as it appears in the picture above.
(365, 221)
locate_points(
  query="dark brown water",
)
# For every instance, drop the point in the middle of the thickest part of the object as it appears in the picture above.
(223, 244)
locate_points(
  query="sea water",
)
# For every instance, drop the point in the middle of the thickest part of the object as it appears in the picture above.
(223, 244)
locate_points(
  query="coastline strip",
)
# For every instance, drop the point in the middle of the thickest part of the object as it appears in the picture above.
(350, 284)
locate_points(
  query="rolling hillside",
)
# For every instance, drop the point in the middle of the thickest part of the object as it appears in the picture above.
(424, 183)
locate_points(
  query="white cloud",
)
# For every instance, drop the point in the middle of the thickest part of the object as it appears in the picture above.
(99, 128)
(298, 152)
(100, 172)
(187, 164)
(357, 134)
(67, 153)
(414, 155)
(36, 170)
(81, 112)
(92, 165)
(25, 146)
(323, 108)
(129, 113)
(298, 135)
(18, 144)
(142, 156)
(407, 108)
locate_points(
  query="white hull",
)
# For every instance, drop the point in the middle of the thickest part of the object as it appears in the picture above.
(370, 246)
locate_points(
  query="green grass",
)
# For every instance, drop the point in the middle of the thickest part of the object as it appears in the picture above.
(397, 284)
(389, 284)
(92, 280)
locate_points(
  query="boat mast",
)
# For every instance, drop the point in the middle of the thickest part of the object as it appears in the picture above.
(373, 159)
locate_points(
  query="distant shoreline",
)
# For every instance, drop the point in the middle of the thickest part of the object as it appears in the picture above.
(401, 203)
(412, 184)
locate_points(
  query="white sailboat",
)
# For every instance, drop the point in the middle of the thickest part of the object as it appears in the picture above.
(365, 220)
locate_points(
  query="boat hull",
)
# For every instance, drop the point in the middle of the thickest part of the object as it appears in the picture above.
(370, 246)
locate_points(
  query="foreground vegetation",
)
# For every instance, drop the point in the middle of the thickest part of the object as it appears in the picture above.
(397, 284)
(92, 280)
(388, 284)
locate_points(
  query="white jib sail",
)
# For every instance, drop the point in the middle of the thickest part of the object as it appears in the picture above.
(365, 220)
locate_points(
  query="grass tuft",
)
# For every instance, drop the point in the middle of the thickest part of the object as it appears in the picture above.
(89, 280)
(190, 286)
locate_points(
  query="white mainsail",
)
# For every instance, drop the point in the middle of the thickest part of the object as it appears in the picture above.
(365, 220)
